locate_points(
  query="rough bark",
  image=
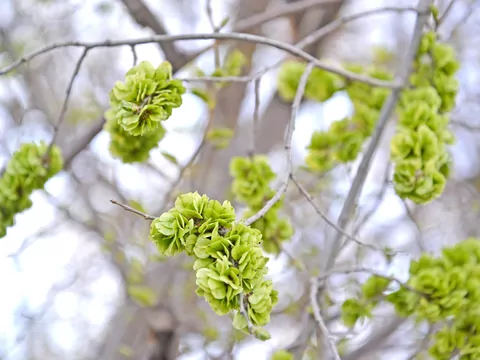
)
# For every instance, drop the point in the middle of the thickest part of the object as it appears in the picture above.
(143, 16)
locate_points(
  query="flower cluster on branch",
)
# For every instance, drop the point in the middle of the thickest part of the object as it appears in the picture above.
(28, 170)
(343, 141)
(229, 263)
(419, 148)
(137, 108)
(146, 98)
(251, 185)
(443, 290)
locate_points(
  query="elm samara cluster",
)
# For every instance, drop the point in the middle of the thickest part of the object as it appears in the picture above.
(443, 291)
(343, 141)
(129, 148)
(28, 170)
(137, 108)
(251, 185)
(229, 262)
(419, 148)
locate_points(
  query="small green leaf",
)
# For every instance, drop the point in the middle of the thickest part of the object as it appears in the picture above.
(170, 157)
(109, 237)
(224, 22)
(261, 334)
(239, 321)
(137, 206)
(282, 355)
(220, 137)
(143, 295)
(126, 350)
(205, 96)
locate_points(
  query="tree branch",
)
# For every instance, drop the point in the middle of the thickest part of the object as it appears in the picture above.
(385, 114)
(292, 49)
(288, 147)
(143, 16)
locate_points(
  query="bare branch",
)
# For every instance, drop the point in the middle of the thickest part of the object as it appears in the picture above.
(288, 147)
(387, 110)
(292, 49)
(325, 218)
(318, 317)
(67, 94)
(338, 23)
(371, 272)
(132, 210)
(168, 194)
(256, 112)
(279, 11)
(143, 16)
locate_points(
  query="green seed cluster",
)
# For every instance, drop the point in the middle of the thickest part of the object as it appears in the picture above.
(442, 290)
(321, 85)
(229, 262)
(233, 65)
(28, 170)
(419, 148)
(127, 147)
(282, 355)
(146, 98)
(343, 141)
(251, 185)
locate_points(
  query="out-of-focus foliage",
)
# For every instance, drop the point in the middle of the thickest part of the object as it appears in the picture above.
(441, 290)
(419, 149)
(28, 170)
(251, 185)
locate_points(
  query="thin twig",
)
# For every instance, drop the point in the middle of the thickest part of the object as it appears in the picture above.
(244, 312)
(67, 95)
(342, 21)
(469, 127)
(385, 114)
(132, 210)
(325, 218)
(373, 272)
(411, 216)
(292, 49)
(470, 10)
(318, 317)
(256, 113)
(167, 197)
(288, 147)
(445, 13)
(134, 55)
(378, 200)
(215, 29)
(280, 11)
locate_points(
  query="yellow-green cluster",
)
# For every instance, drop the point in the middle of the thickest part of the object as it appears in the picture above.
(442, 290)
(229, 262)
(233, 65)
(321, 84)
(343, 141)
(127, 147)
(251, 185)
(419, 148)
(29, 169)
(146, 98)
(282, 355)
